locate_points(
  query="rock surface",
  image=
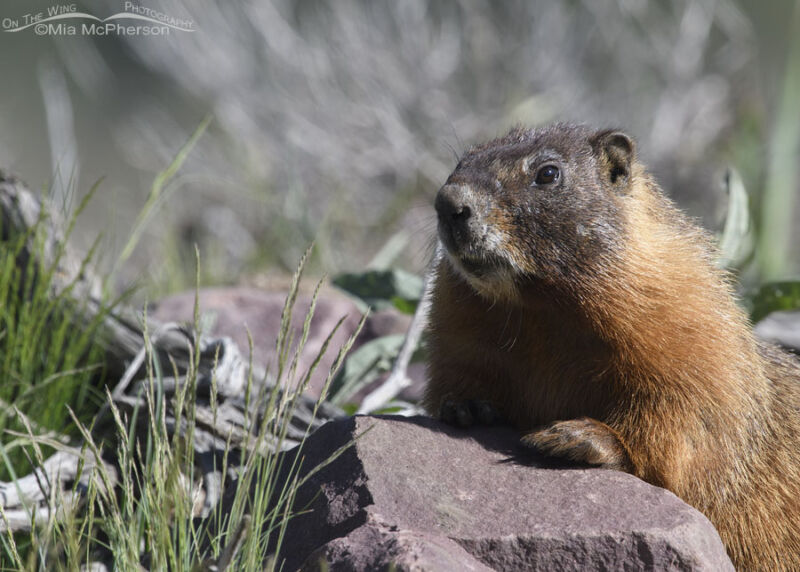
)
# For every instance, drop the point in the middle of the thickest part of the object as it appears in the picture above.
(237, 310)
(424, 496)
(782, 328)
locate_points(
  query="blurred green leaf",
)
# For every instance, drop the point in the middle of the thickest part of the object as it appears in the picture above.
(405, 306)
(364, 365)
(389, 410)
(736, 242)
(775, 296)
(349, 409)
(383, 289)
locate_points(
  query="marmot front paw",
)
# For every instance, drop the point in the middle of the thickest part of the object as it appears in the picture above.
(468, 412)
(583, 440)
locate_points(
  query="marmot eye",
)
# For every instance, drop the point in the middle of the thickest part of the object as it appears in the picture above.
(546, 175)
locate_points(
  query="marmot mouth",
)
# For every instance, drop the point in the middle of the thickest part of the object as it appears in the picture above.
(480, 265)
(470, 253)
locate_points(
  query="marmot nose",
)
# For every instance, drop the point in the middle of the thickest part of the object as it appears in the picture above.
(452, 205)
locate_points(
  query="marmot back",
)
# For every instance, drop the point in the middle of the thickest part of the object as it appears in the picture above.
(576, 300)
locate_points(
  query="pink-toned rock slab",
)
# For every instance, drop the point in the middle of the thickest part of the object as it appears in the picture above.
(424, 496)
(237, 310)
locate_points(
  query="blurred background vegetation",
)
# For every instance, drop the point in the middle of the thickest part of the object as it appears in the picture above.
(336, 122)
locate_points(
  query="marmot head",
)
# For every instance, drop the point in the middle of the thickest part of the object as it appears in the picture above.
(536, 205)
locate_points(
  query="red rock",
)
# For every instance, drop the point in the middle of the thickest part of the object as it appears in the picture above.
(425, 496)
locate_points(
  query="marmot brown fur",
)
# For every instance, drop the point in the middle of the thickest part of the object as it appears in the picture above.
(584, 307)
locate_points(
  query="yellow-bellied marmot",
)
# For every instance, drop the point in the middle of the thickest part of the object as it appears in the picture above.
(579, 303)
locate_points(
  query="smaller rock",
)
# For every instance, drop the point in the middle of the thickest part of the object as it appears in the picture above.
(237, 310)
(782, 328)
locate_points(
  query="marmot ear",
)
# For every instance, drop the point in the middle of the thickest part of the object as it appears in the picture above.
(615, 152)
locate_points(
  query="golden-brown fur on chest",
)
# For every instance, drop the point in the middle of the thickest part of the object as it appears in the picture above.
(534, 364)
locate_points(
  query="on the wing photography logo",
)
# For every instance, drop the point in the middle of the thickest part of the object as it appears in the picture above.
(66, 20)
